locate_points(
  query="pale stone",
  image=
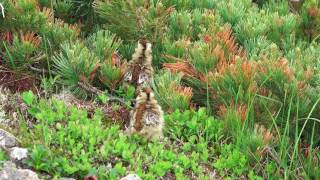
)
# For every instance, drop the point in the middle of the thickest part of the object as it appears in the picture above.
(131, 177)
(17, 153)
(6, 139)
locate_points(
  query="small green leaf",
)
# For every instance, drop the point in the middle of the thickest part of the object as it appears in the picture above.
(28, 97)
(130, 92)
(103, 98)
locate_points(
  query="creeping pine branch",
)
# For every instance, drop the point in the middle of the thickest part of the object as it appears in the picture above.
(38, 58)
(273, 155)
(87, 87)
(96, 91)
(90, 88)
(39, 70)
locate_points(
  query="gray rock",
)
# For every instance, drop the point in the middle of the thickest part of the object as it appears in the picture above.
(131, 177)
(17, 153)
(7, 140)
(10, 172)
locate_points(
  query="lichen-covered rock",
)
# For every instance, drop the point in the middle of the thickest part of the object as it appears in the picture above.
(131, 177)
(17, 153)
(70, 100)
(7, 140)
(3, 118)
(66, 96)
(3, 99)
(9, 103)
(10, 172)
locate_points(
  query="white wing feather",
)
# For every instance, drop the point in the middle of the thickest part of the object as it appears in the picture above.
(152, 119)
(128, 76)
(143, 77)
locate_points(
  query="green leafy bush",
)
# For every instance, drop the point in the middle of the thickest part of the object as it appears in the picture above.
(231, 160)
(189, 124)
(3, 155)
(67, 142)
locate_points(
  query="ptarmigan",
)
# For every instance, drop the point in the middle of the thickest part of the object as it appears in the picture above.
(147, 116)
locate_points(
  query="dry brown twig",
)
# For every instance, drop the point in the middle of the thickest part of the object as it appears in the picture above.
(89, 88)
(97, 91)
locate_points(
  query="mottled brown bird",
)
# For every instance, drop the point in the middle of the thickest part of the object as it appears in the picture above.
(140, 71)
(147, 116)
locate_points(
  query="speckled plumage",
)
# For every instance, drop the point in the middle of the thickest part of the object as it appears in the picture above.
(147, 116)
(140, 71)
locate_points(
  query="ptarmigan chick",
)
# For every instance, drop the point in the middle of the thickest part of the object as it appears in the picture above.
(147, 116)
(140, 71)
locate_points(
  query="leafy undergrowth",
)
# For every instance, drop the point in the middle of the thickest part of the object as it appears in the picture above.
(67, 142)
(239, 81)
